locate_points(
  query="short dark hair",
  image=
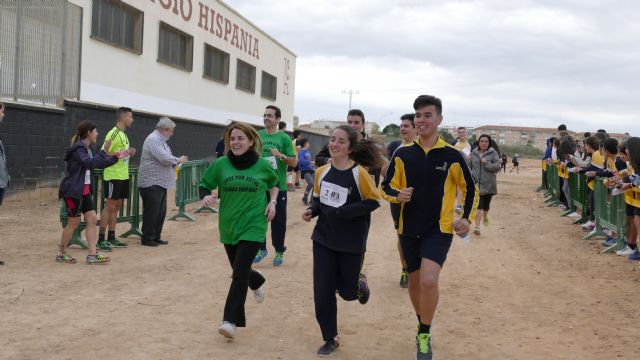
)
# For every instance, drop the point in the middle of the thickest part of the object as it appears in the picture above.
(282, 125)
(633, 149)
(562, 127)
(409, 117)
(611, 146)
(601, 136)
(602, 131)
(356, 112)
(122, 111)
(426, 100)
(461, 128)
(295, 134)
(302, 142)
(587, 134)
(593, 142)
(276, 109)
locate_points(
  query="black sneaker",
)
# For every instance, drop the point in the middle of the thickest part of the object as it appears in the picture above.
(103, 246)
(328, 348)
(363, 289)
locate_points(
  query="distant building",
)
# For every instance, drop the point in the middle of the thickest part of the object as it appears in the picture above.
(518, 135)
(523, 135)
(330, 124)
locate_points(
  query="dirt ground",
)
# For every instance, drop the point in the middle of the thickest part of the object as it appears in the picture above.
(527, 288)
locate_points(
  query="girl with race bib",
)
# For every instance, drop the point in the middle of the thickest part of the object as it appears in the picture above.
(344, 195)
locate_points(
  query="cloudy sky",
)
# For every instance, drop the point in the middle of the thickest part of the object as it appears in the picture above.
(516, 62)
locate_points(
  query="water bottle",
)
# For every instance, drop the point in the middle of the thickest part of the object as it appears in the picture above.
(466, 237)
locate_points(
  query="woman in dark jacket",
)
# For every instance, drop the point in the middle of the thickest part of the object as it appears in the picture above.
(76, 189)
(485, 163)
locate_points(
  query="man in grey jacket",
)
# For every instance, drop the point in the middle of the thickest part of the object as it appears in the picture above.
(4, 172)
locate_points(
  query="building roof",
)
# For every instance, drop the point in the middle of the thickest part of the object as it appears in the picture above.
(515, 128)
(235, 12)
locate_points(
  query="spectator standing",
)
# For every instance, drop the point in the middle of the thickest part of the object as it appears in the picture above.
(156, 174)
(4, 172)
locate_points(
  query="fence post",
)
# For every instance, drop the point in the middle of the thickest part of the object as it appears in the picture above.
(617, 222)
(543, 182)
(132, 213)
(182, 182)
(600, 208)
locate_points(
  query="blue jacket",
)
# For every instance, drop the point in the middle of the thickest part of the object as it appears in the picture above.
(79, 160)
(304, 160)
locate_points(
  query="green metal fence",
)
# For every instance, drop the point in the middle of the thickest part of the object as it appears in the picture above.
(187, 191)
(129, 212)
(610, 213)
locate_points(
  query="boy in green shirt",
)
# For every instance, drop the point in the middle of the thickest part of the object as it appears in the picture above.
(278, 150)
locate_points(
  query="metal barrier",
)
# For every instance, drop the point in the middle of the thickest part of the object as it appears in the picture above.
(543, 182)
(610, 213)
(553, 183)
(129, 211)
(187, 190)
(579, 196)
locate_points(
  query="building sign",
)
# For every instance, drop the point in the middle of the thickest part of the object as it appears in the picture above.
(213, 22)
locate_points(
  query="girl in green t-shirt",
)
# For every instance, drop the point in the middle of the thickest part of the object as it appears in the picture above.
(242, 179)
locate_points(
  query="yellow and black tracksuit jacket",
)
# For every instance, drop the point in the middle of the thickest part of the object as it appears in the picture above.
(435, 175)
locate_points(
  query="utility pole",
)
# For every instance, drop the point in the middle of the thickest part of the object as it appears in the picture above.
(351, 93)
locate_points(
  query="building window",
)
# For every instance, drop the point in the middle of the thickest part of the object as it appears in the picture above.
(269, 86)
(216, 64)
(175, 47)
(246, 77)
(118, 24)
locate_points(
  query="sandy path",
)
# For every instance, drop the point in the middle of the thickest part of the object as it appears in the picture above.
(528, 288)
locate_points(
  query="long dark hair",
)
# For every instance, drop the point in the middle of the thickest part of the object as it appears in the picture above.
(633, 149)
(365, 152)
(83, 130)
(492, 143)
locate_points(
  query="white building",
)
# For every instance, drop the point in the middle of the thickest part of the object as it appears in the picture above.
(196, 59)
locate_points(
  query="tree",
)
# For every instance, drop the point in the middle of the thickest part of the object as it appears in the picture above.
(446, 136)
(391, 130)
(375, 128)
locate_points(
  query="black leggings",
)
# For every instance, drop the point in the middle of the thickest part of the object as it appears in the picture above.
(241, 257)
(278, 224)
(333, 271)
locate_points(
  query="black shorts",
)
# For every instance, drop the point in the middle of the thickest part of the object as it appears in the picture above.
(433, 246)
(515, 164)
(75, 207)
(632, 210)
(485, 202)
(116, 189)
(395, 214)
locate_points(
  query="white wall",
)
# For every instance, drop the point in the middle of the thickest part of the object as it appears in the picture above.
(115, 76)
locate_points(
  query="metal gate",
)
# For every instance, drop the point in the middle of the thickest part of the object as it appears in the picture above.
(40, 47)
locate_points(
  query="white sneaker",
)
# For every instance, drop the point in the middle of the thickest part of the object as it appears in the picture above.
(258, 294)
(626, 251)
(593, 232)
(574, 214)
(587, 225)
(227, 330)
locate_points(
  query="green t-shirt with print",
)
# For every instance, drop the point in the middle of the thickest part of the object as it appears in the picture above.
(282, 142)
(242, 198)
(119, 141)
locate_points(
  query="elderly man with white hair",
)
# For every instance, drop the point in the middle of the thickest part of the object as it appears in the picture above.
(155, 175)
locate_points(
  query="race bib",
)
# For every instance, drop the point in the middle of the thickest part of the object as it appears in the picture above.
(273, 161)
(87, 177)
(125, 159)
(333, 195)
